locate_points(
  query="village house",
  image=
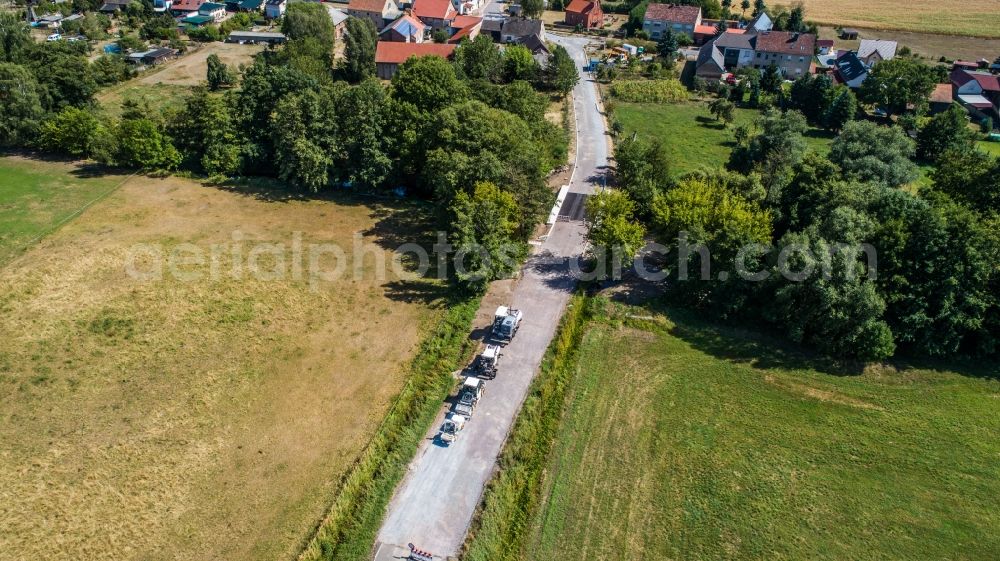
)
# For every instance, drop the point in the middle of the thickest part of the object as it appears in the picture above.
(790, 52)
(274, 9)
(339, 19)
(215, 11)
(978, 92)
(406, 29)
(379, 12)
(681, 19)
(849, 70)
(465, 27)
(389, 55)
(585, 13)
(871, 51)
(436, 14)
(518, 30)
(186, 7)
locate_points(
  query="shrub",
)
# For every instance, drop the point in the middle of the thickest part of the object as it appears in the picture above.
(649, 91)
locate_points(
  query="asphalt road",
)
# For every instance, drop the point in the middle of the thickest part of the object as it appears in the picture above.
(434, 505)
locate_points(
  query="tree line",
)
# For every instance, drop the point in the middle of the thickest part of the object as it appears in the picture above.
(935, 287)
(470, 135)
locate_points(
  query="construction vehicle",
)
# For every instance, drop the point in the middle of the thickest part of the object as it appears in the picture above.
(468, 396)
(451, 427)
(506, 322)
(485, 365)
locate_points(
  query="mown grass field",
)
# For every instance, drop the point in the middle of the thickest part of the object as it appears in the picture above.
(35, 197)
(978, 18)
(686, 441)
(693, 138)
(195, 419)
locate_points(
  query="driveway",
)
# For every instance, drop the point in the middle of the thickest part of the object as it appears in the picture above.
(434, 505)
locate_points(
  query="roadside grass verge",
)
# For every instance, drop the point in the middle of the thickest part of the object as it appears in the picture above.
(351, 524)
(498, 529)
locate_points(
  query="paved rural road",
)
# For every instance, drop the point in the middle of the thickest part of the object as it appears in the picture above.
(434, 505)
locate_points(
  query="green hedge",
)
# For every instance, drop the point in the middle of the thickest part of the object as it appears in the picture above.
(497, 533)
(348, 531)
(649, 91)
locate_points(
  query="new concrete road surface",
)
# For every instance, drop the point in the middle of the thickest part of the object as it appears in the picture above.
(434, 505)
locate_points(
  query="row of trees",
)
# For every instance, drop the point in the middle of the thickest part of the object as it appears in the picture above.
(932, 285)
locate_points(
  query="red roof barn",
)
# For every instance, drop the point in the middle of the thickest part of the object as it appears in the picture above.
(585, 13)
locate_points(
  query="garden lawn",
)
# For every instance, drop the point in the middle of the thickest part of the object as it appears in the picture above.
(992, 148)
(36, 197)
(693, 138)
(684, 441)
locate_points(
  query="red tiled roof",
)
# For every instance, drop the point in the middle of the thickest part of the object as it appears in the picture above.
(461, 22)
(705, 29)
(436, 9)
(988, 82)
(673, 13)
(786, 43)
(187, 5)
(941, 94)
(580, 6)
(463, 33)
(366, 5)
(824, 43)
(397, 53)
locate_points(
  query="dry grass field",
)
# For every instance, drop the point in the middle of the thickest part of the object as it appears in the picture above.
(977, 18)
(145, 419)
(164, 86)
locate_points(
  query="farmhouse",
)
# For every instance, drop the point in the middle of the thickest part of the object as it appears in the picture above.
(389, 55)
(871, 51)
(978, 92)
(436, 14)
(585, 13)
(379, 12)
(406, 29)
(681, 19)
(790, 52)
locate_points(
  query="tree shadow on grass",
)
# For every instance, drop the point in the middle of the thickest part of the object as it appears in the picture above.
(754, 345)
(710, 123)
(763, 348)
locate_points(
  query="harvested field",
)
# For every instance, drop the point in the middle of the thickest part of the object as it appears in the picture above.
(976, 18)
(194, 419)
(930, 45)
